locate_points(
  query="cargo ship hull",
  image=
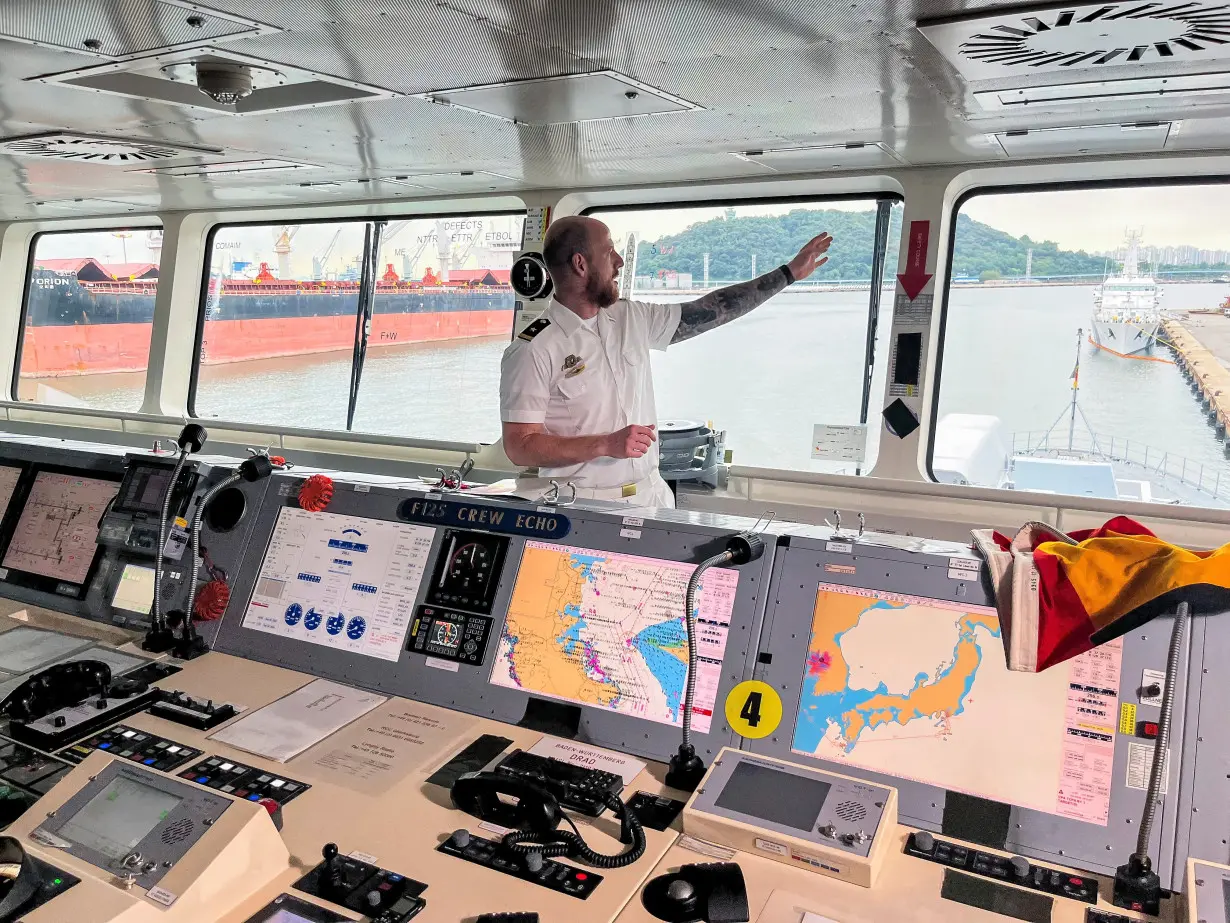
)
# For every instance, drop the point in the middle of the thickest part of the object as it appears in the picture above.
(74, 329)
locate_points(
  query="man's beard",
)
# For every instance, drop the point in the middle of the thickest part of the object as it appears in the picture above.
(603, 294)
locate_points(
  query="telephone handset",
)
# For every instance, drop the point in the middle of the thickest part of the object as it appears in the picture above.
(56, 687)
(506, 800)
(533, 813)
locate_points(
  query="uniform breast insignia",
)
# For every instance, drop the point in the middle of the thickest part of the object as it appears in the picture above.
(570, 362)
(534, 329)
(574, 371)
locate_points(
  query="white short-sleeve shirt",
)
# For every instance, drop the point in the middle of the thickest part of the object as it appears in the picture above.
(582, 382)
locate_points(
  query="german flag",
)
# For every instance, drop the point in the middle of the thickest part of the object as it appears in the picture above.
(1060, 595)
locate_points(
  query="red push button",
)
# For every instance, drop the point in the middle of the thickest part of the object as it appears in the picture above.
(581, 876)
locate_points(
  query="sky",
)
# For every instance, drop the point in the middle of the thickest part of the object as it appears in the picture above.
(1090, 220)
(1097, 219)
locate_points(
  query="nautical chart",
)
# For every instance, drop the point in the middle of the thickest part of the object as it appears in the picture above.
(343, 582)
(606, 629)
(56, 533)
(918, 688)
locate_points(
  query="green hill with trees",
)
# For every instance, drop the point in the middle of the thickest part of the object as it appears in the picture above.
(981, 250)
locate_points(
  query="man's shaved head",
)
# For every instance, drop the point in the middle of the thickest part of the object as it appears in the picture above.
(566, 238)
(583, 262)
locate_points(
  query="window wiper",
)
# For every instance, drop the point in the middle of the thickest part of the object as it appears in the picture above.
(363, 313)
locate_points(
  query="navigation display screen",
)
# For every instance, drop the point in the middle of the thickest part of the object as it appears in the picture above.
(343, 582)
(9, 476)
(778, 797)
(917, 688)
(446, 635)
(143, 489)
(56, 533)
(119, 817)
(606, 630)
(135, 591)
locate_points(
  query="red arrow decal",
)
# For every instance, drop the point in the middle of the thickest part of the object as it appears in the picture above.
(915, 277)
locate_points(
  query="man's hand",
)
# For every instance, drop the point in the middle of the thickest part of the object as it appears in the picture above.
(811, 257)
(631, 441)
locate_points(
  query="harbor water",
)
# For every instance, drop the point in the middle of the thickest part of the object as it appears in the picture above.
(766, 379)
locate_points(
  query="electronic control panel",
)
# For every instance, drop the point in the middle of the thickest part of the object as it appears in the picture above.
(79, 525)
(467, 571)
(449, 634)
(130, 820)
(814, 819)
(133, 519)
(52, 548)
(888, 654)
(885, 654)
(480, 603)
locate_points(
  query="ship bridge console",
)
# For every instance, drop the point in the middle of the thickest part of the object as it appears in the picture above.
(414, 703)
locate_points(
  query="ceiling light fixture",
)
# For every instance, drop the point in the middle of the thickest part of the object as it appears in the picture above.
(224, 83)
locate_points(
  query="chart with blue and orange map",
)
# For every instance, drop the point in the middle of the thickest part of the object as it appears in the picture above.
(918, 688)
(606, 629)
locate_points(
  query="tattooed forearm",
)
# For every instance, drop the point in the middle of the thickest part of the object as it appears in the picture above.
(725, 304)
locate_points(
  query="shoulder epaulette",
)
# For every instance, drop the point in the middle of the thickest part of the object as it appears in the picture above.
(534, 329)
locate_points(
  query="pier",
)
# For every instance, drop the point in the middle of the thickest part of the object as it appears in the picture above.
(1201, 347)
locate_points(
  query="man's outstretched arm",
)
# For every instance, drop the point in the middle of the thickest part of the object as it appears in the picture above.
(723, 305)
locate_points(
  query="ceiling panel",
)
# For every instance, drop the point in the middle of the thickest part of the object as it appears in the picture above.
(118, 28)
(767, 74)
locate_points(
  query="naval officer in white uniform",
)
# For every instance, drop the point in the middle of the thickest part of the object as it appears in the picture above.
(576, 388)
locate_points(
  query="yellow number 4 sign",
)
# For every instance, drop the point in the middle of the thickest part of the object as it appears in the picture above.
(753, 709)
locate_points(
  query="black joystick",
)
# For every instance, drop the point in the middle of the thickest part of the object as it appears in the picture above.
(331, 876)
(714, 892)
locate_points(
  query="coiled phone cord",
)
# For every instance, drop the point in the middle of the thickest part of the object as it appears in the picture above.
(570, 843)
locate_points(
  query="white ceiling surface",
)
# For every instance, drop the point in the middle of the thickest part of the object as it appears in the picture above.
(764, 74)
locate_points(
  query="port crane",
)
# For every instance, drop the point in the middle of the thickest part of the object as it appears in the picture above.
(321, 260)
(281, 246)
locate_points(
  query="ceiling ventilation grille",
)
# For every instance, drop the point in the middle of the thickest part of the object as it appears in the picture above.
(111, 152)
(1078, 38)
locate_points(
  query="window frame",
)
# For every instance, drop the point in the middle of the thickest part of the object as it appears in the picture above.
(20, 346)
(935, 379)
(206, 271)
(875, 306)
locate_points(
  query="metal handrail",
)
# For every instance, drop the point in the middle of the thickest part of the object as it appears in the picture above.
(134, 421)
(1204, 477)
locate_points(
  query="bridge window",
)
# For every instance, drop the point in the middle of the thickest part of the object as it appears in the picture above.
(281, 340)
(1084, 355)
(808, 356)
(88, 315)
